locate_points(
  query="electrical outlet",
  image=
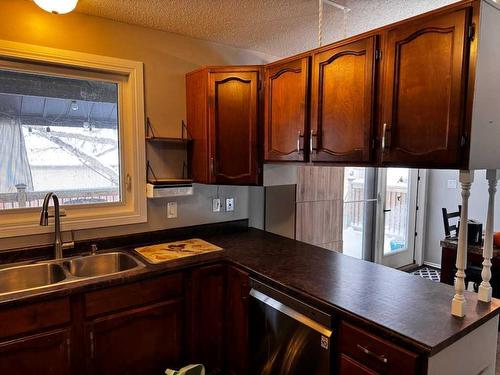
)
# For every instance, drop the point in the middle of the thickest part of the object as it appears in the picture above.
(452, 184)
(216, 205)
(171, 210)
(229, 204)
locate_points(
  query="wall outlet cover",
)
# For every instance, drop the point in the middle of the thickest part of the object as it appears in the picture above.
(452, 184)
(171, 210)
(229, 204)
(216, 205)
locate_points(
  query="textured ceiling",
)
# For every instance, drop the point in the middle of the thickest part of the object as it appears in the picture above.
(275, 27)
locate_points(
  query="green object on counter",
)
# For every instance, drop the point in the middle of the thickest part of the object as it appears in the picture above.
(188, 370)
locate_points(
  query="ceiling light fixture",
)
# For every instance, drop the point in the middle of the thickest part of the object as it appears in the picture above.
(57, 6)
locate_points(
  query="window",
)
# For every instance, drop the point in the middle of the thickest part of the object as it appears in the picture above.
(65, 120)
(59, 135)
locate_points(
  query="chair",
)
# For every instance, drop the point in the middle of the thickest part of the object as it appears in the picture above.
(448, 229)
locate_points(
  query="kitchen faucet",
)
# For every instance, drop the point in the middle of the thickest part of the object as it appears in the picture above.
(59, 245)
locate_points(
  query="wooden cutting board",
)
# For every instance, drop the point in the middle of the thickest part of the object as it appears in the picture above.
(175, 250)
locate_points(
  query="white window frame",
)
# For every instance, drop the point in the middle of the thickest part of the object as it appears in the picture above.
(133, 205)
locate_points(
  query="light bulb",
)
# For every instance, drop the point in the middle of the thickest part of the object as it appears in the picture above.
(57, 6)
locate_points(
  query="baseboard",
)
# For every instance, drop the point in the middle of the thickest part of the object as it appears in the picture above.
(434, 265)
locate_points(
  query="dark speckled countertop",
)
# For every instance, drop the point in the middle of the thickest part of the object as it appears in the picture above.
(394, 304)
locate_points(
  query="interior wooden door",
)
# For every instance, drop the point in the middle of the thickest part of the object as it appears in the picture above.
(286, 117)
(233, 117)
(423, 90)
(145, 340)
(342, 102)
(44, 353)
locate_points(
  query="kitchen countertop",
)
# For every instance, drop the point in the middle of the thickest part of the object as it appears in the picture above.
(452, 243)
(398, 305)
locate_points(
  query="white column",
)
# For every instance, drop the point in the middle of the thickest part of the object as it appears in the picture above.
(458, 303)
(492, 175)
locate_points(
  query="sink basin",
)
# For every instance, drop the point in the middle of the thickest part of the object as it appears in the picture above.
(29, 277)
(101, 264)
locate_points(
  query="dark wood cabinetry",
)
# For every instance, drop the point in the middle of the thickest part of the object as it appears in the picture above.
(222, 119)
(43, 353)
(342, 102)
(238, 289)
(143, 340)
(286, 110)
(423, 90)
(361, 351)
(207, 316)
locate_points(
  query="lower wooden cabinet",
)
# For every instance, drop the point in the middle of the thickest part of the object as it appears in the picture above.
(238, 289)
(43, 353)
(145, 340)
(207, 317)
(349, 366)
(374, 353)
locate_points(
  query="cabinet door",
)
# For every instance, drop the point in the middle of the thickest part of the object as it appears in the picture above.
(45, 353)
(342, 102)
(146, 340)
(286, 101)
(423, 91)
(207, 316)
(238, 289)
(349, 366)
(233, 119)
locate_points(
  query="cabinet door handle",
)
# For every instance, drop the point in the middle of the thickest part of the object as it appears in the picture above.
(212, 166)
(385, 144)
(92, 345)
(299, 135)
(378, 357)
(311, 142)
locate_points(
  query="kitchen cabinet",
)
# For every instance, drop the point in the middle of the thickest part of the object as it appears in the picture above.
(342, 102)
(363, 351)
(238, 289)
(286, 110)
(142, 340)
(223, 122)
(423, 90)
(36, 338)
(43, 353)
(207, 298)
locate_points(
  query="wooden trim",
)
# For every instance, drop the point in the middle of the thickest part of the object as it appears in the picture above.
(66, 63)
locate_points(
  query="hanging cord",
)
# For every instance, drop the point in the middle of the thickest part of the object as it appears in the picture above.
(320, 23)
(332, 3)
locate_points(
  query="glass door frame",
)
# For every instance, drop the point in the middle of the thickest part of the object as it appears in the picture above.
(406, 256)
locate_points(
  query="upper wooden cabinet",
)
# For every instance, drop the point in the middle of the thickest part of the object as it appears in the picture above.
(423, 90)
(222, 119)
(286, 110)
(342, 102)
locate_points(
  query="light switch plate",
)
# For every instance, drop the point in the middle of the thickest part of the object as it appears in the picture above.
(171, 210)
(229, 204)
(216, 205)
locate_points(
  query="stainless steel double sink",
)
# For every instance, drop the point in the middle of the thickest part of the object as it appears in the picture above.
(59, 271)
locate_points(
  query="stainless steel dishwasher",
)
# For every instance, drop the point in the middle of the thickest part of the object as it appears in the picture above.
(286, 335)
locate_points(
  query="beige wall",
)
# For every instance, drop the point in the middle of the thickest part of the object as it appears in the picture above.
(166, 57)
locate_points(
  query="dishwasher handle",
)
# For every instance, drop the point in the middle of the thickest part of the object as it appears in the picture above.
(301, 318)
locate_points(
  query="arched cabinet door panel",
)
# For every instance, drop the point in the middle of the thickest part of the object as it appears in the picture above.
(223, 117)
(342, 103)
(233, 120)
(423, 90)
(286, 101)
